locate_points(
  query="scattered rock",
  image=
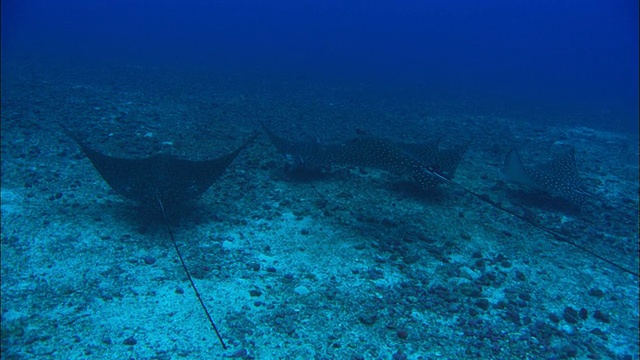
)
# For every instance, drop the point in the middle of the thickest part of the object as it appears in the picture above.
(596, 292)
(368, 319)
(599, 315)
(583, 313)
(513, 316)
(570, 351)
(524, 296)
(598, 332)
(130, 341)
(482, 303)
(374, 274)
(468, 273)
(31, 339)
(399, 355)
(470, 290)
(570, 315)
(149, 260)
(301, 290)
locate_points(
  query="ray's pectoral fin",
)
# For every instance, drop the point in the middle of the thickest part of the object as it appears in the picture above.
(514, 171)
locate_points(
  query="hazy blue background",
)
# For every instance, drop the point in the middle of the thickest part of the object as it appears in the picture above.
(578, 56)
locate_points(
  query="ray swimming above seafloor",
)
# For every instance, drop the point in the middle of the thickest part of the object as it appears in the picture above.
(160, 177)
(404, 159)
(383, 154)
(162, 180)
(558, 178)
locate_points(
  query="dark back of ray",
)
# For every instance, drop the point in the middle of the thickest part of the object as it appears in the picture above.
(409, 159)
(308, 157)
(379, 153)
(163, 180)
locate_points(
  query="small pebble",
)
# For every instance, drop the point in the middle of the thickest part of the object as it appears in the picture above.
(482, 303)
(367, 319)
(583, 313)
(599, 315)
(106, 340)
(524, 296)
(31, 339)
(570, 351)
(130, 341)
(570, 315)
(596, 292)
(301, 290)
(149, 260)
(599, 332)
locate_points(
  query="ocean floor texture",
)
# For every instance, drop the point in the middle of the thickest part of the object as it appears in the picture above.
(350, 264)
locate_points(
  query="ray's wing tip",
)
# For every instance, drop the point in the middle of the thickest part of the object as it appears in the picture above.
(512, 155)
(512, 169)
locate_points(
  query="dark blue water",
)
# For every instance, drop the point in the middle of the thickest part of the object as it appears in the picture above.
(553, 60)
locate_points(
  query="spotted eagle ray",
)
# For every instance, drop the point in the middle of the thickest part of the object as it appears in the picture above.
(160, 177)
(162, 180)
(379, 153)
(558, 178)
(404, 159)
